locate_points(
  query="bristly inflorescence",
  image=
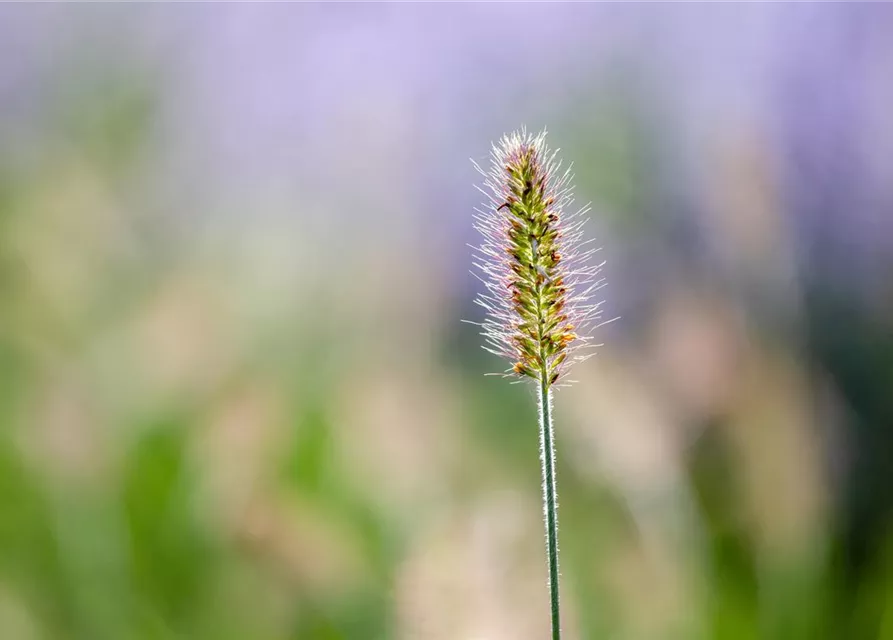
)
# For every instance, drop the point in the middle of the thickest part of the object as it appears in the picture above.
(534, 262)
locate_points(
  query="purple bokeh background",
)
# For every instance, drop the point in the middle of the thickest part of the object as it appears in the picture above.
(347, 105)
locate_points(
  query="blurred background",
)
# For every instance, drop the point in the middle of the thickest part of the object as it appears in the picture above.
(236, 398)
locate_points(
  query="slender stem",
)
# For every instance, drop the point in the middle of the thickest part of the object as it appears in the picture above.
(550, 503)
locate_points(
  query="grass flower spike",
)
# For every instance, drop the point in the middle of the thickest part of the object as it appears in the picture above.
(535, 267)
(534, 263)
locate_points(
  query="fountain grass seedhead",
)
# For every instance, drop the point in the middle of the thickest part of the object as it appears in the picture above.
(534, 262)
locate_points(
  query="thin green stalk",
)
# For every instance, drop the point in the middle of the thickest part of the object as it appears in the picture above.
(550, 501)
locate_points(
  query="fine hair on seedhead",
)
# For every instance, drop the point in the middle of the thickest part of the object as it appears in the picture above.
(537, 270)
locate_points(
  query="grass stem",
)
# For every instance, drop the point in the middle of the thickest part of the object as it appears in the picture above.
(550, 502)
